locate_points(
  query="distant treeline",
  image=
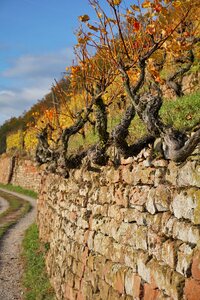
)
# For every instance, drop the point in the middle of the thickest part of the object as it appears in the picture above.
(20, 123)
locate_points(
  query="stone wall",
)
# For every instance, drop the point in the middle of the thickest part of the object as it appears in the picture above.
(20, 171)
(126, 232)
(26, 174)
(6, 167)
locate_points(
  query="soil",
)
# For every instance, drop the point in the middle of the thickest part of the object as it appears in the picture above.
(11, 268)
(3, 205)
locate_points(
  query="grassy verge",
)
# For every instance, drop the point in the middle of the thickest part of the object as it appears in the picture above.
(182, 113)
(17, 209)
(35, 280)
(19, 189)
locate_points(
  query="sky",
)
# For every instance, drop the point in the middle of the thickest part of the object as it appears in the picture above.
(36, 45)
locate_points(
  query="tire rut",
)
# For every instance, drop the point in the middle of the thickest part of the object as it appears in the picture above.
(3, 205)
(10, 248)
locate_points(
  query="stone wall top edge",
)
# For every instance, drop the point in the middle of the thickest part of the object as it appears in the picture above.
(183, 175)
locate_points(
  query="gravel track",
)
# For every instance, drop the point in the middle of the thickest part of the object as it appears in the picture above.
(3, 205)
(10, 248)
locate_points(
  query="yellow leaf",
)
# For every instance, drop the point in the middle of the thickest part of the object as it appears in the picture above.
(93, 27)
(83, 40)
(189, 117)
(103, 31)
(117, 2)
(84, 18)
(112, 20)
(177, 3)
(99, 15)
(146, 4)
(135, 7)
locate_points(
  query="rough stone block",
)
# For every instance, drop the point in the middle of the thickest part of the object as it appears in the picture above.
(115, 277)
(192, 289)
(150, 202)
(189, 174)
(144, 175)
(150, 292)
(103, 245)
(138, 197)
(86, 290)
(101, 265)
(127, 175)
(186, 204)
(143, 268)
(184, 260)
(103, 195)
(168, 253)
(163, 197)
(137, 174)
(132, 284)
(113, 175)
(196, 266)
(154, 221)
(70, 293)
(172, 173)
(160, 176)
(114, 295)
(103, 288)
(155, 243)
(109, 227)
(99, 210)
(167, 224)
(121, 195)
(114, 211)
(141, 238)
(118, 282)
(166, 279)
(126, 234)
(90, 261)
(97, 222)
(130, 257)
(185, 232)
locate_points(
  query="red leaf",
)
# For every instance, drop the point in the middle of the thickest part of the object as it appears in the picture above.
(136, 25)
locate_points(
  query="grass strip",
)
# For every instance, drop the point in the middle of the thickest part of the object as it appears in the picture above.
(17, 209)
(183, 113)
(18, 189)
(35, 279)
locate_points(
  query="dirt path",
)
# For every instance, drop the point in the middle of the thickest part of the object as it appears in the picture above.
(3, 205)
(10, 264)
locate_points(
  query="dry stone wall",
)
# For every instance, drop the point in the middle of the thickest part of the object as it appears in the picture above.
(26, 174)
(6, 168)
(20, 171)
(126, 232)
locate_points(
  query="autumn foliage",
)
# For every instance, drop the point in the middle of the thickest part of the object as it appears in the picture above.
(124, 58)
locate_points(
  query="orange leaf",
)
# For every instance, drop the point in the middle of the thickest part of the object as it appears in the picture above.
(151, 29)
(158, 8)
(84, 18)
